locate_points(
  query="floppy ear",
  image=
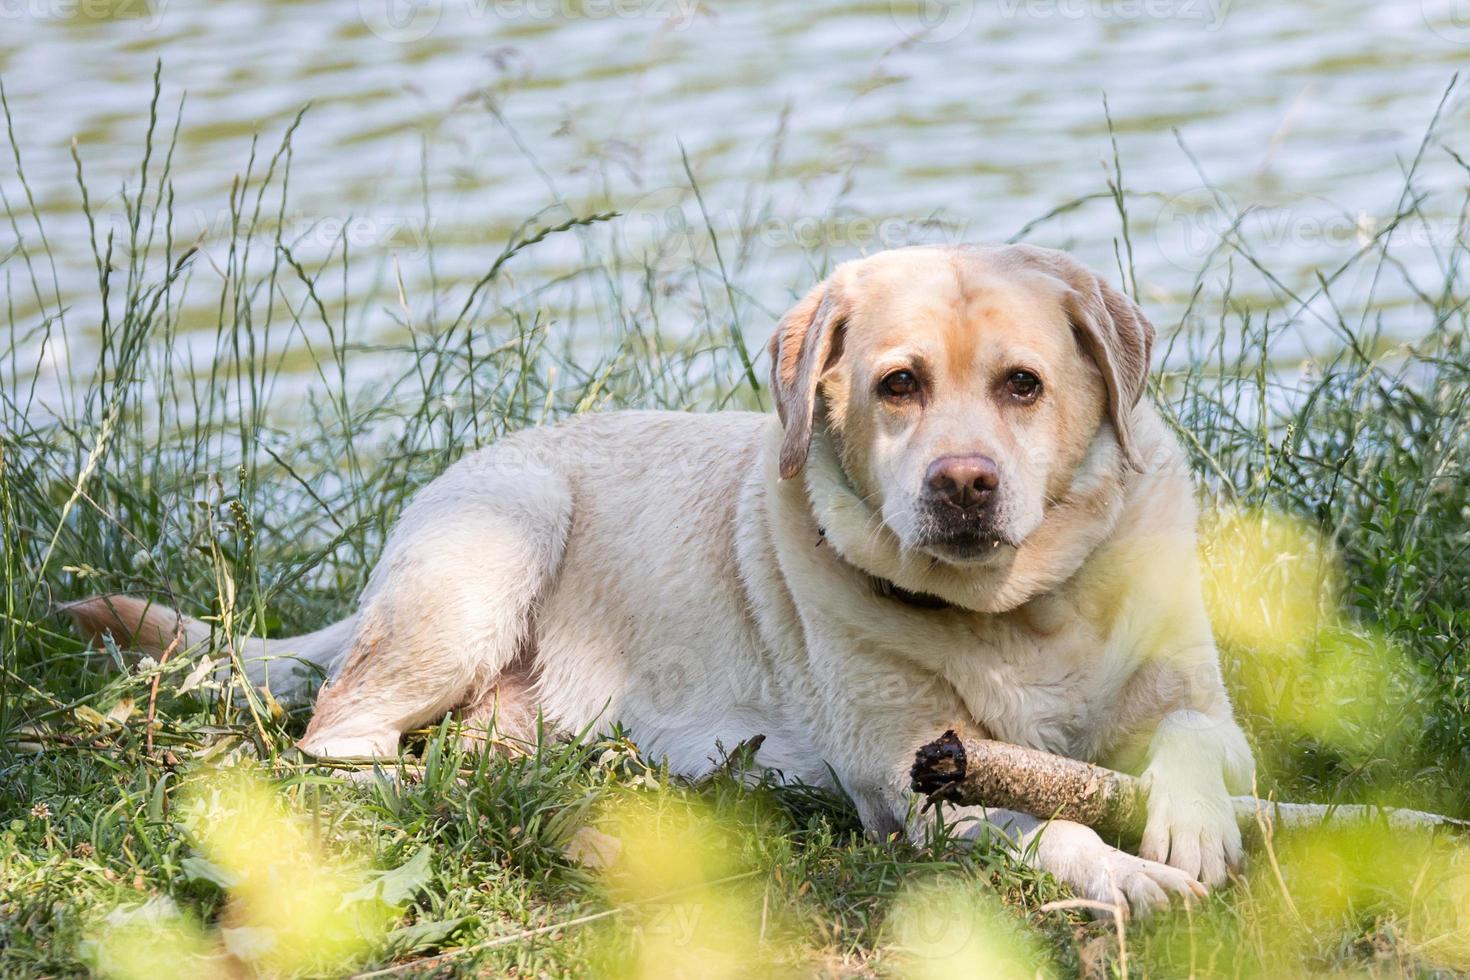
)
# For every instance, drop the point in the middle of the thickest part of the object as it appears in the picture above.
(807, 342)
(1112, 330)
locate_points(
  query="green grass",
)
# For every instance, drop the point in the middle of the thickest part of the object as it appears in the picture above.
(211, 485)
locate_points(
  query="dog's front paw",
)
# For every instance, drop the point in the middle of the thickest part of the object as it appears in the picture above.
(1101, 873)
(1143, 884)
(1191, 826)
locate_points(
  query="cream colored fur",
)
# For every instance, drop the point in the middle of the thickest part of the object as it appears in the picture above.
(708, 578)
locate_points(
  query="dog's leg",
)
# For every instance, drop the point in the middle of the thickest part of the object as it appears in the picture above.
(1070, 852)
(867, 731)
(504, 718)
(1197, 756)
(1195, 762)
(448, 608)
(1073, 854)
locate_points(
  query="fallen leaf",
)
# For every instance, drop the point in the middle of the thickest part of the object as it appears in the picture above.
(593, 849)
(217, 748)
(396, 886)
(277, 712)
(196, 868)
(121, 712)
(196, 676)
(248, 942)
(90, 716)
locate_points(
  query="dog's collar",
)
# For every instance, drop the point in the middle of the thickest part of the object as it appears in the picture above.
(919, 600)
(891, 590)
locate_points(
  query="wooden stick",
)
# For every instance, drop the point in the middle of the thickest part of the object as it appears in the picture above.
(982, 772)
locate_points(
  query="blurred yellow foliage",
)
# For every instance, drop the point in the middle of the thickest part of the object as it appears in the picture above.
(1403, 896)
(1272, 586)
(1370, 872)
(152, 941)
(295, 904)
(692, 911)
(290, 891)
(1270, 581)
(950, 929)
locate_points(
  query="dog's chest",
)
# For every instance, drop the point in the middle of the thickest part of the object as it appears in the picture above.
(1043, 676)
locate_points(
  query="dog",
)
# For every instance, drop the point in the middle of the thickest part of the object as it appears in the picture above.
(964, 514)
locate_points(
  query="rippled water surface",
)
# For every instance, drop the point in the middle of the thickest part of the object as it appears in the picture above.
(831, 128)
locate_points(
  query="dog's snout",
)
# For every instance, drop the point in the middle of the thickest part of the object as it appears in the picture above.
(965, 482)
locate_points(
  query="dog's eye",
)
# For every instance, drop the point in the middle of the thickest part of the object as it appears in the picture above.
(899, 384)
(1023, 385)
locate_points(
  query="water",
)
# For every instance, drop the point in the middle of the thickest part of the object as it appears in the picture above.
(854, 125)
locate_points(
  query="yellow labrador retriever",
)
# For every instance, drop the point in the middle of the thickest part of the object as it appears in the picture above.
(964, 516)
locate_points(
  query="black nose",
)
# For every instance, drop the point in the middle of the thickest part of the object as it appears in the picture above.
(965, 482)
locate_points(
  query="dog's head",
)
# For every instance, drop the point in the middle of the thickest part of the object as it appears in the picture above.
(962, 387)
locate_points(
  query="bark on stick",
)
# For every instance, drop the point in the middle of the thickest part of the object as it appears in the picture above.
(982, 772)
